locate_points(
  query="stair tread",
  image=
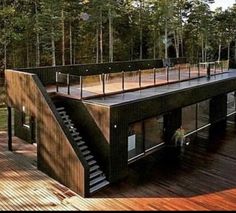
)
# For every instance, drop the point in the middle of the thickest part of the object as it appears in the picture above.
(97, 180)
(72, 129)
(89, 157)
(86, 152)
(60, 108)
(77, 138)
(92, 162)
(95, 174)
(70, 126)
(83, 148)
(80, 143)
(93, 168)
(75, 133)
(67, 121)
(62, 112)
(64, 116)
(99, 186)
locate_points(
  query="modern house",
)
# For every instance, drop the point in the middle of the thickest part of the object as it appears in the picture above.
(91, 121)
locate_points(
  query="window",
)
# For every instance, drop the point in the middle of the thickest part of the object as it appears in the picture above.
(25, 120)
(135, 140)
(231, 106)
(203, 113)
(145, 135)
(153, 132)
(189, 118)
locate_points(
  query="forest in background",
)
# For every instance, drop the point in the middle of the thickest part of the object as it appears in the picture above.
(37, 33)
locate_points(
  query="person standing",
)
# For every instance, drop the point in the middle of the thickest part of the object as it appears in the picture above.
(179, 137)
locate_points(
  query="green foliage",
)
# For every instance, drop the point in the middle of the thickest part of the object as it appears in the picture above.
(31, 27)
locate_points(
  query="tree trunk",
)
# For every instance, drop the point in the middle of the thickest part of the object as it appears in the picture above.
(37, 38)
(5, 56)
(206, 50)
(132, 49)
(219, 52)
(182, 46)
(235, 51)
(74, 52)
(97, 45)
(166, 40)
(154, 44)
(178, 45)
(140, 33)
(110, 36)
(228, 57)
(101, 37)
(63, 36)
(53, 47)
(71, 44)
(203, 50)
(159, 45)
(27, 54)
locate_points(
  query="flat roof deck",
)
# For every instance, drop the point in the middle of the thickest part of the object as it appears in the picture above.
(203, 178)
(119, 99)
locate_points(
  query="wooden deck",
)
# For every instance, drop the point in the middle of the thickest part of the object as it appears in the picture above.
(202, 178)
(22, 186)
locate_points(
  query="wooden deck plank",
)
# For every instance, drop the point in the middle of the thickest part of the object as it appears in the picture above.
(202, 178)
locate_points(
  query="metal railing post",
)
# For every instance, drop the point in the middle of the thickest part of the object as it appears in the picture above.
(179, 72)
(123, 81)
(154, 76)
(189, 71)
(208, 71)
(167, 74)
(215, 68)
(103, 83)
(81, 87)
(140, 78)
(57, 89)
(68, 83)
(198, 69)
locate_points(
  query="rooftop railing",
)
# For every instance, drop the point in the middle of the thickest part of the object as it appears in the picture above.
(87, 86)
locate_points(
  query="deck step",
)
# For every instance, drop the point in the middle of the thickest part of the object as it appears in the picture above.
(87, 158)
(77, 138)
(60, 109)
(86, 152)
(72, 130)
(61, 113)
(99, 186)
(64, 116)
(70, 126)
(97, 180)
(80, 143)
(93, 168)
(95, 174)
(68, 121)
(92, 162)
(82, 148)
(75, 134)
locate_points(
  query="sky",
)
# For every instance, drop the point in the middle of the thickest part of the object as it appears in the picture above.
(222, 3)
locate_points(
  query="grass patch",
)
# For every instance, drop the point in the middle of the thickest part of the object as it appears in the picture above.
(3, 110)
(3, 119)
(2, 96)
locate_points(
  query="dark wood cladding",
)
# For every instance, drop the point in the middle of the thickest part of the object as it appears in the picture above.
(57, 156)
(93, 123)
(122, 115)
(48, 74)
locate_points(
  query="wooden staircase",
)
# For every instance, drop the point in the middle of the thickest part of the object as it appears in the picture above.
(97, 178)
